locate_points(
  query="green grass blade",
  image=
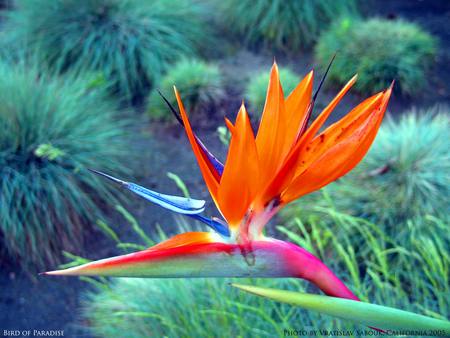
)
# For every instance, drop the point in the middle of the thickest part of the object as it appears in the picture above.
(373, 315)
(180, 184)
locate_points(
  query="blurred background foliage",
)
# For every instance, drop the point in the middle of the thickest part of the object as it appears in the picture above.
(381, 51)
(200, 85)
(256, 89)
(52, 130)
(130, 42)
(79, 77)
(286, 25)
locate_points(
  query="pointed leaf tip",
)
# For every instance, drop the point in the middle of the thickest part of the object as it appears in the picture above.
(364, 313)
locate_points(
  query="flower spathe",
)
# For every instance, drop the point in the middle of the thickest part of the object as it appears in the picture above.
(288, 158)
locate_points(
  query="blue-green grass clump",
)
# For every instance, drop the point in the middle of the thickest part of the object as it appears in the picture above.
(380, 51)
(407, 169)
(199, 83)
(52, 130)
(256, 89)
(287, 25)
(130, 42)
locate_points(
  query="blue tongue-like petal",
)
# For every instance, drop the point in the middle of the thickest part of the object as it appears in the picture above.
(178, 204)
(217, 224)
(182, 205)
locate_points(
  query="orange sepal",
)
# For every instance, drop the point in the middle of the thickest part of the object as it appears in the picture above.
(337, 132)
(340, 158)
(229, 125)
(240, 178)
(208, 175)
(296, 108)
(285, 174)
(323, 116)
(269, 139)
(186, 238)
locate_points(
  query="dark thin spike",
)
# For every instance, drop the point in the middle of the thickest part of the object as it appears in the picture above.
(323, 78)
(172, 109)
(311, 104)
(306, 121)
(111, 178)
(217, 164)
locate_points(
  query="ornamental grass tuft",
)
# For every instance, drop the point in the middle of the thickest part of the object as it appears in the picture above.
(52, 130)
(200, 84)
(379, 51)
(130, 42)
(287, 25)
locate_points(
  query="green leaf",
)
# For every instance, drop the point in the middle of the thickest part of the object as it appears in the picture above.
(180, 184)
(373, 315)
(48, 151)
(224, 135)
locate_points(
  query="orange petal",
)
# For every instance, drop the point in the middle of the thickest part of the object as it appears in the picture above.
(297, 110)
(285, 174)
(230, 125)
(208, 174)
(184, 239)
(336, 132)
(320, 120)
(340, 158)
(372, 133)
(269, 140)
(240, 178)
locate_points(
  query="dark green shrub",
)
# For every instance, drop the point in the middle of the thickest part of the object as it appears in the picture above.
(379, 51)
(288, 25)
(52, 130)
(416, 280)
(200, 85)
(131, 42)
(256, 89)
(404, 177)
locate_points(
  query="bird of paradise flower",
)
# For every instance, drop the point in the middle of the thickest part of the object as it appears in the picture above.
(287, 159)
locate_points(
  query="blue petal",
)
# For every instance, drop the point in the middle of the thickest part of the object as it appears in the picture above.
(214, 223)
(186, 206)
(182, 205)
(214, 161)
